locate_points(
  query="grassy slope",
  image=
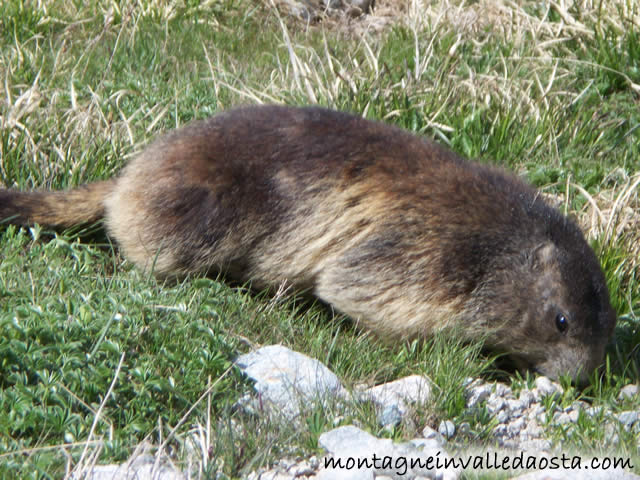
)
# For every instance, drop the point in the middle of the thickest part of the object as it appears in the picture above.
(552, 94)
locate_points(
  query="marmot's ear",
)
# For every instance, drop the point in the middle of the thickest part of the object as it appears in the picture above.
(542, 255)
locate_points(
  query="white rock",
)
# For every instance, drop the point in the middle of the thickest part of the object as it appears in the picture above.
(593, 411)
(349, 438)
(288, 380)
(515, 407)
(573, 415)
(500, 430)
(344, 474)
(580, 405)
(304, 468)
(547, 387)
(628, 418)
(561, 418)
(470, 382)
(348, 442)
(503, 416)
(426, 444)
(514, 427)
(447, 429)
(628, 391)
(527, 398)
(138, 468)
(430, 434)
(477, 395)
(535, 445)
(400, 393)
(534, 429)
(503, 391)
(495, 404)
(537, 413)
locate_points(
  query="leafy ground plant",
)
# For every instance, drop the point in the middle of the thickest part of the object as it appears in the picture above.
(97, 359)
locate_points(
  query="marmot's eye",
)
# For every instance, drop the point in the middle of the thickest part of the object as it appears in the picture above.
(562, 323)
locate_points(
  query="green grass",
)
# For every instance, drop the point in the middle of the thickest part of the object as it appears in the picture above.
(92, 350)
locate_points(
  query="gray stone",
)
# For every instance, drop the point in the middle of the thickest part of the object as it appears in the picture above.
(297, 9)
(527, 398)
(470, 382)
(400, 393)
(288, 380)
(546, 387)
(538, 413)
(514, 427)
(561, 418)
(430, 434)
(447, 429)
(573, 415)
(500, 430)
(426, 444)
(351, 442)
(347, 438)
(503, 391)
(142, 467)
(503, 416)
(477, 395)
(534, 429)
(628, 418)
(391, 416)
(628, 391)
(344, 474)
(515, 407)
(495, 404)
(593, 411)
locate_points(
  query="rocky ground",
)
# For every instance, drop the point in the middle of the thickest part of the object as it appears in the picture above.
(287, 383)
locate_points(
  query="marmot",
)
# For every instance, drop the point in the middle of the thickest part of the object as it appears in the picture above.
(397, 232)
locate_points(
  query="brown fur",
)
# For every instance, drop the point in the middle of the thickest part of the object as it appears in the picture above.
(397, 232)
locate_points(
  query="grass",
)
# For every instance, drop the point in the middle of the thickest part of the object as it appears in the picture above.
(96, 359)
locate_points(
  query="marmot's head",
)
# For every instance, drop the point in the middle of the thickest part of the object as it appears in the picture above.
(558, 319)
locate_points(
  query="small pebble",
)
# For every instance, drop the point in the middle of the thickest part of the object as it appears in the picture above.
(390, 417)
(561, 418)
(495, 404)
(593, 411)
(430, 434)
(513, 428)
(526, 398)
(503, 416)
(628, 391)
(477, 395)
(547, 387)
(503, 391)
(447, 429)
(627, 419)
(515, 406)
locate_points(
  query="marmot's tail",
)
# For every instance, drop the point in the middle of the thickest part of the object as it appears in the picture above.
(63, 209)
